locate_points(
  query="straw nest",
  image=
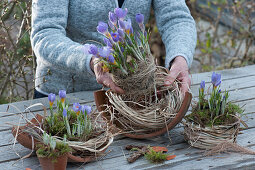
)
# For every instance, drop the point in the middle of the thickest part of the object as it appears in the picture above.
(95, 144)
(210, 137)
(146, 111)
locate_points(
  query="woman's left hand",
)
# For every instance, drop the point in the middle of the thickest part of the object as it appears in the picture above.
(180, 71)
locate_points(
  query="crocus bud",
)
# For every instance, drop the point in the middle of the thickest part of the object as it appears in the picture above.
(93, 50)
(102, 28)
(139, 18)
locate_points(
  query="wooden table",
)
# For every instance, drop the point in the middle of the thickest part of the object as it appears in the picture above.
(241, 84)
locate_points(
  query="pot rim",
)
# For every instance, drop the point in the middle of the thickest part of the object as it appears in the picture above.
(101, 99)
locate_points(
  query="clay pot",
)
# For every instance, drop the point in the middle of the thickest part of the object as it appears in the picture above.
(47, 164)
(25, 140)
(101, 99)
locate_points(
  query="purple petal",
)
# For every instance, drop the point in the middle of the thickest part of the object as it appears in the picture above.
(62, 93)
(120, 13)
(51, 97)
(128, 24)
(122, 24)
(121, 32)
(111, 25)
(64, 113)
(111, 59)
(202, 85)
(139, 18)
(216, 79)
(76, 107)
(102, 27)
(104, 52)
(86, 109)
(93, 50)
(107, 42)
(115, 36)
(112, 18)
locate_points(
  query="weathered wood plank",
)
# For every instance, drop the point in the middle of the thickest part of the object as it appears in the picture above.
(186, 158)
(226, 74)
(229, 85)
(241, 78)
(247, 93)
(88, 95)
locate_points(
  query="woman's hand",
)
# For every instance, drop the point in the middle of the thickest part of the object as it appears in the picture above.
(180, 71)
(104, 78)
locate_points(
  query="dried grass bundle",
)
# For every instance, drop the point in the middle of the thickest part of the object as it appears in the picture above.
(209, 137)
(145, 110)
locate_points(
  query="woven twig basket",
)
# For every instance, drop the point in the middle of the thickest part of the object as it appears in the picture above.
(210, 137)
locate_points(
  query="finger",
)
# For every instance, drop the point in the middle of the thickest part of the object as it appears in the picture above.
(109, 83)
(185, 84)
(116, 88)
(171, 77)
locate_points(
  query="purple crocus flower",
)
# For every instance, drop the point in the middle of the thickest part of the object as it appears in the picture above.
(115, 36)
(121, 32)
(131, 30)
(122, 24)
(62, 95)
(104, 52)
(107, 42)
(139, 18)
(128, 24)
(64, 113)
(110, 59)
(93, 50)
(86, 109)
(77, 108)
(216, 79)
(51, 98)
(202, 85)
(128, 27)
(102, 28)
(111, 25)
(120, 13)
(219, 91)
(113, 18)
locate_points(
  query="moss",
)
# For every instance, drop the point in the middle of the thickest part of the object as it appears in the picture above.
(155, 157)
(202, 116)
(46, 151)
(58, 128)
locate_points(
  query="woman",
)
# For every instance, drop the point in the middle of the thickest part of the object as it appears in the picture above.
(60, 29)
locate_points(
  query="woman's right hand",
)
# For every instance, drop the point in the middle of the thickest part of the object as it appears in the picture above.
(104, 78)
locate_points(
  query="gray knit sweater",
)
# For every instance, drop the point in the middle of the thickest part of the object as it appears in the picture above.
(60, 28)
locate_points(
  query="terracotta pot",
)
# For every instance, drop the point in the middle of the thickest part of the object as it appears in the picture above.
(101, 99)
(72, 158)
(47, 164)
(25, 140)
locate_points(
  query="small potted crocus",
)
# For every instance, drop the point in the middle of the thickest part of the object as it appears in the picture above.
(213, 118)
(79, 126)
(52, 155)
